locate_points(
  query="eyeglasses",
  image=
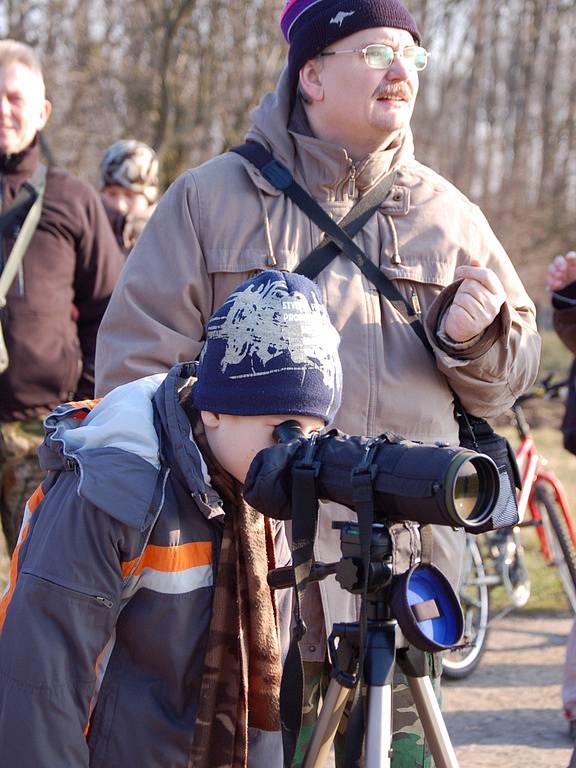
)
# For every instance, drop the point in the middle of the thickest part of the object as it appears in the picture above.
(381, 56)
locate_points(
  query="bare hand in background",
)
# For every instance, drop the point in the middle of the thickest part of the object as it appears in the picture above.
(561, 271)
(476, 303)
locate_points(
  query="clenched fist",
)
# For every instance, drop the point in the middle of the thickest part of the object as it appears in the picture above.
(476, 302)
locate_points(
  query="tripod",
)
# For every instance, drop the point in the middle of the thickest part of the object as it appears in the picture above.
(385, 646)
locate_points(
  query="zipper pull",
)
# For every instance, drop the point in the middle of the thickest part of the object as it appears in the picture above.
(352, 181)
(416, 302)
(104, 601)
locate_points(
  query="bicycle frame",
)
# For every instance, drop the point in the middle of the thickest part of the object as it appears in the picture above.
(532, 471)
(497, 558)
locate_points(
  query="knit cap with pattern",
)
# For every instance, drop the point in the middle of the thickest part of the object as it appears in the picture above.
(270, 349)
(310, 26)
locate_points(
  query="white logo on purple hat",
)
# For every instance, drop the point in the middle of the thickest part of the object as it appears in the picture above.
(340, 16)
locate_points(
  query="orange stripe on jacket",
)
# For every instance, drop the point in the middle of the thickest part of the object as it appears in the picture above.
(171, 559)
(91, 704)
(33, 502)
(88, 404)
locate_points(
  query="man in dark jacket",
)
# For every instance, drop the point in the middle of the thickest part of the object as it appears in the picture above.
(57, 299)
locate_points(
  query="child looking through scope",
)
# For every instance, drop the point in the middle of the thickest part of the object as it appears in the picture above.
(138, 627)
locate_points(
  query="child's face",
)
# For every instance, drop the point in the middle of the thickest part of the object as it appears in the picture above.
(235, 440)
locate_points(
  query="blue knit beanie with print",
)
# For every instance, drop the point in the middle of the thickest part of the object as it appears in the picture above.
(270, 349)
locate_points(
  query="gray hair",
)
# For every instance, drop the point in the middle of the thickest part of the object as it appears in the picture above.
(13, 51)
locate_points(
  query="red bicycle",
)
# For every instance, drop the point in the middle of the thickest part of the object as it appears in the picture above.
(497, 558)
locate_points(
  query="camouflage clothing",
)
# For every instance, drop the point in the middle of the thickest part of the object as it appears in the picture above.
(409, 747)
(20, 472)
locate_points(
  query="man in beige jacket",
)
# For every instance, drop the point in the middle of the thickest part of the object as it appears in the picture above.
(340, 121)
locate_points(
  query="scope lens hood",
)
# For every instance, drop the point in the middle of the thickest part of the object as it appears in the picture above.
(427, 608)
(471, 489)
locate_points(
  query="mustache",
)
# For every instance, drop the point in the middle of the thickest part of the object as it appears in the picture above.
(393, 90)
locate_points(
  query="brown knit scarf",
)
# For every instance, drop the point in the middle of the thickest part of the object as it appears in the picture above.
(242, 667)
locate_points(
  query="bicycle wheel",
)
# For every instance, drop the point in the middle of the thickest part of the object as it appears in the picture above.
(559, 541)
(475, 601)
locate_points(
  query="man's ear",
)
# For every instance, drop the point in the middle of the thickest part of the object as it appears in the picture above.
(45, 113)
(311, 80)
(209, 419)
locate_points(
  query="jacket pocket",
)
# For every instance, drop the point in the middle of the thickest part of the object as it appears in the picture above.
(79, 592)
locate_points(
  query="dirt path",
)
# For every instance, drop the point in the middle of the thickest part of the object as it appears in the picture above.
(508, 713)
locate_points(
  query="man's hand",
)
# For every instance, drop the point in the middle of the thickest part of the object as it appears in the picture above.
(561, 271)
(476, 302)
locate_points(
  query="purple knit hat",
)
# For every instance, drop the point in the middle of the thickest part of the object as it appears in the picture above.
(310, 26)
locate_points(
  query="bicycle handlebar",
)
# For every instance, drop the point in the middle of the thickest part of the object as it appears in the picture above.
(544, 389)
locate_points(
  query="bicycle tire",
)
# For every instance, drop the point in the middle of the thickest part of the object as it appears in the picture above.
(475, 601)
(559, 541)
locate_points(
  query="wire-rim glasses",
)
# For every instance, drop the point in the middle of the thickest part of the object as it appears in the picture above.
(381, 56)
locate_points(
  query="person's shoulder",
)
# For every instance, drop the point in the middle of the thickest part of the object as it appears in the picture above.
(68, 187)
(220, 172)
(422, 179)
(68, 182)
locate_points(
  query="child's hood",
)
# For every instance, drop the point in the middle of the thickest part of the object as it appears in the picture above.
(113, 445)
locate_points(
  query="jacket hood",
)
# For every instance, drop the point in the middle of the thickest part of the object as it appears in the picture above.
(115, 447)
(322, 167)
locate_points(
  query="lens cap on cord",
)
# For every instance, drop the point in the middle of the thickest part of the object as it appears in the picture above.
(427, 608)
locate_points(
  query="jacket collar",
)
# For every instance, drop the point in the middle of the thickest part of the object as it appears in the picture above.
(116, 447)
(324, 169)
(22, 165)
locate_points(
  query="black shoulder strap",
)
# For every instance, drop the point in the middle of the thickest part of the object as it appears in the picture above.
(351, 224)
(30, 190)
(339, 235)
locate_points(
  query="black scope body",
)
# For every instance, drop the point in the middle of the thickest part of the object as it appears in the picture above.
(425, 483)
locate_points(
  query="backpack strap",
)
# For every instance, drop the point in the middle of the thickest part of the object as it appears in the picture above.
(32, 195)
(338, 236)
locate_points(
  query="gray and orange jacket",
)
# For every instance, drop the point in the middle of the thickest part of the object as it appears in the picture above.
(106, 615)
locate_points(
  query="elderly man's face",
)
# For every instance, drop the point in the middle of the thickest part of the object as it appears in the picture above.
(23, 109)
(367, 106)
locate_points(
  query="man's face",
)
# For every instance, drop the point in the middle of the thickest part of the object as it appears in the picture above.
(235, 440)
(23, 109)
(362, 106)
(125, 201)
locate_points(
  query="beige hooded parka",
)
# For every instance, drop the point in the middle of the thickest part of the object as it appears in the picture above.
(220, 222)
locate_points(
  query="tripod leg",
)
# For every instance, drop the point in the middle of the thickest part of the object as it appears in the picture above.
(433, 723)
(379, 673)
(413, 664)
(379, 727)
(325, 729)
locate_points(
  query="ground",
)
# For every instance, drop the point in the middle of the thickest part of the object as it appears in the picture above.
(508, 713)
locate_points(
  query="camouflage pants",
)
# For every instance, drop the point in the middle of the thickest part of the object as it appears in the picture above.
(409, 747)
(20, 473)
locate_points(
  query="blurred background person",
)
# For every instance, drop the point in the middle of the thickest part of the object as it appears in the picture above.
(129, 188)
(59, 294)
(561, 283)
